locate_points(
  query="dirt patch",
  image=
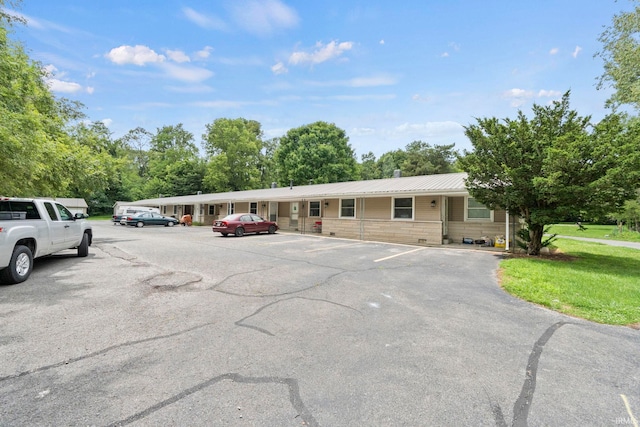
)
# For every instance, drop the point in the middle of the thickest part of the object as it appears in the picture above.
(635, 326)
(552, 256)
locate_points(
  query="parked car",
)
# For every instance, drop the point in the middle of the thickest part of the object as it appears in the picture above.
(124, 211)
(148, 218)
(243, 223)
(33, 228)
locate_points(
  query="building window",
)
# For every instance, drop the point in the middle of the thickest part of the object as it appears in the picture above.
(164, 210)
(403, 208)
(253, 208)
(175, 209)
(231, 208)
(212, 209)
(476, 211)
(314, 209)
(347, 208)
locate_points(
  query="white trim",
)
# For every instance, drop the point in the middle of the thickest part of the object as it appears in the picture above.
(466, 213)
(355, 210)
(319, 202)
(393, 208)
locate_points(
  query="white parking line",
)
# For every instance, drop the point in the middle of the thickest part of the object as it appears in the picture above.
(631, 417)
(397, 255)
(281, 241)
(332, 247)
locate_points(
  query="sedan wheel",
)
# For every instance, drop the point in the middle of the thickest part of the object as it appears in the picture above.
(272, 229)
(171, 223)
(239, 232)
(140, 224)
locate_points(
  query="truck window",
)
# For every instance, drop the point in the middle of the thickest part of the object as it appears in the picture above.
(16, 206)
(51, 211)
(65, 214)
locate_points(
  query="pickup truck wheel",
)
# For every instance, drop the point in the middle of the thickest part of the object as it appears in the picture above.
(140, 224)
(83, 249)
(19, 267)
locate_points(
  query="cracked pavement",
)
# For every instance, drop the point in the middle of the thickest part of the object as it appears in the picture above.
(179, 326)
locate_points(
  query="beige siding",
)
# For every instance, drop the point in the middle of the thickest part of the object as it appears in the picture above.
(376, 208)
(424, 211)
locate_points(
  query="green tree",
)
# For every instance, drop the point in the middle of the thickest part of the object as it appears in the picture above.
(174, 165)
(552, 166)
(423, 159)
(391, 161)
(620, 52)
(38, 157)
(319, 152)
(234, 147)
(369, 167)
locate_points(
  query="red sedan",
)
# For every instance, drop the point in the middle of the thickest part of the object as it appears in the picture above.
(243, 223)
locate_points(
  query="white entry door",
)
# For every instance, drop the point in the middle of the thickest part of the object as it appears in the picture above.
(295, 211)
(273, 211)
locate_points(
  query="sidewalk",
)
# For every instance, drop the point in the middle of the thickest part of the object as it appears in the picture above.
(633, 245)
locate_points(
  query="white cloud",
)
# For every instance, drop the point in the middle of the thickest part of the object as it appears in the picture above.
(204, 53)
(554, 51)
(138, 55)
(263, 17)
(358, 82)
(549, 94)
(190, 89)
(204, 21)
(63, 87)
(520, 96)
(56, 84)
(107, 122)
(187, 73)
(177, 56)
(381, 41)
(90, 90)
(576, 51)
(321, 53)
(279, 68)
(429, 128)
(444, 55)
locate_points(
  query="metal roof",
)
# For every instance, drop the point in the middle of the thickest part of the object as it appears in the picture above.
(442, 184)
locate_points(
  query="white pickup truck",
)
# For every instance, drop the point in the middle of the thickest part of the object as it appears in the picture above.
(32, 228)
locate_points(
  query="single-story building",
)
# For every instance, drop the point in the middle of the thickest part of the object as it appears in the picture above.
(417, 210)
(74, 205)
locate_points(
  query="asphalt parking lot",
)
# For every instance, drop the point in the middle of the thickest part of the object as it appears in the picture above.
(178, 326)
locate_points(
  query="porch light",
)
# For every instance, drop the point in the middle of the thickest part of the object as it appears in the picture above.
(326, 204)
(433, 203)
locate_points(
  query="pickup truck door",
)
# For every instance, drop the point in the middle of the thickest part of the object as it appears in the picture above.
(56, 228)
(72, 228)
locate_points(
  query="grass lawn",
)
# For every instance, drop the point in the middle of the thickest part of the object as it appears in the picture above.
(589, 280)
(595, 231)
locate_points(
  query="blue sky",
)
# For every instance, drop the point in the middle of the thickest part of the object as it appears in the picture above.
(388, 73)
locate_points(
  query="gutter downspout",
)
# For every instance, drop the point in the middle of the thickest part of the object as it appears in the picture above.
(506, 247)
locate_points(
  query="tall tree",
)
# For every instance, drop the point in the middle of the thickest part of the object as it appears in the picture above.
(369, 167)
(391, 161)
(37, 155)
(319, 152)
(620, 52)
(552, 166)
(235, 160)
(174, 165)
(423, 159)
